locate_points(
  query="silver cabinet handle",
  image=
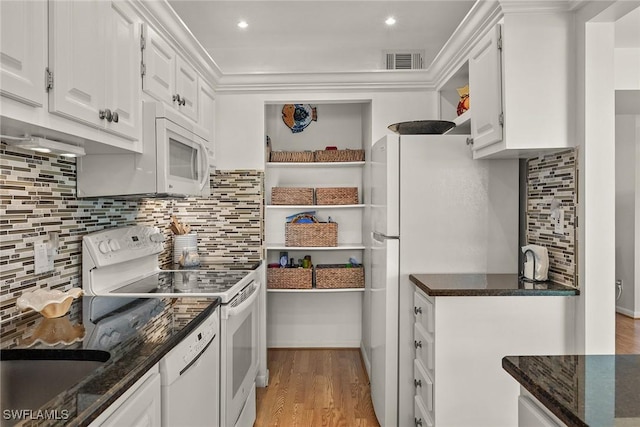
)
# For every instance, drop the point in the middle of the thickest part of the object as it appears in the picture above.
(105, 114)
(180, 100)
(115, 117)
(469, 141)
(417, 383)
(417, 310)
(417, 344)
(418, 421)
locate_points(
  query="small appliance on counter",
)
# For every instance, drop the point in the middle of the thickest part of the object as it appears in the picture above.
(536, 263)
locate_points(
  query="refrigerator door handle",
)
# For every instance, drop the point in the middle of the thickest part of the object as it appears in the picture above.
(382, 237)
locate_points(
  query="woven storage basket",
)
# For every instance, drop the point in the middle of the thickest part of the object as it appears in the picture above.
(337, 196)
(292, 156)
(333, 276)
(289, 278)
(291, 196)
(339, 155)
(311, 234)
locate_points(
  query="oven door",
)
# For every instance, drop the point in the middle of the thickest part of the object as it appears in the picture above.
(183, 162)
(239, 361)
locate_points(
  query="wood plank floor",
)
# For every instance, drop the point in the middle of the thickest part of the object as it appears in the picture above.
(315, 387)
(627, 335)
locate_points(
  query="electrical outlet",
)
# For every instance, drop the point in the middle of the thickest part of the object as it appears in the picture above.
(557, 218)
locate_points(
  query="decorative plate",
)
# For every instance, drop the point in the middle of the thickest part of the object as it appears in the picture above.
(298, 116)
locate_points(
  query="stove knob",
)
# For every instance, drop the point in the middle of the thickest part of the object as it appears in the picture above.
(157, 237)
(104, 247)
(114, 245)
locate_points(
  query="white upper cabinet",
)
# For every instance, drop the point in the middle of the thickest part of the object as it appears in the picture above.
(187, 89)
(23, 50)
(94, 49)
(485, 77)
(168, 77)
(206, 116)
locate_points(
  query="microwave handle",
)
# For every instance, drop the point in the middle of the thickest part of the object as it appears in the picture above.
(205, 173)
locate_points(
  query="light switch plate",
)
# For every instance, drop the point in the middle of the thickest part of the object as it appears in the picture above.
(43, 262)
(558, 222)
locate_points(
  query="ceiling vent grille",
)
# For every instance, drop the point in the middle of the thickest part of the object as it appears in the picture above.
(404, 60)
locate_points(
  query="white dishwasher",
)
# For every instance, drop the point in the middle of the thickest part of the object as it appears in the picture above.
(190, 378)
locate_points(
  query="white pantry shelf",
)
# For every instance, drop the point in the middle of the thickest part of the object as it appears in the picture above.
(307, 207)
(314, 290)
(313, 164)
(340, 247)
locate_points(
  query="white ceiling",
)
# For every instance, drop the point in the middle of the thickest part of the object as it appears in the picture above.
(301, 36)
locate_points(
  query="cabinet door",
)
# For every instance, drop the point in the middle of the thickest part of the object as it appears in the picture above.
(485, 90)
(206, 116)
(23, 50)
(160, 67)
(187, 88)
(77, 58)
(141, 409)
(123, 69)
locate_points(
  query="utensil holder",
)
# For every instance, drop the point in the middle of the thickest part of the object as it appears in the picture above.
(182, 242)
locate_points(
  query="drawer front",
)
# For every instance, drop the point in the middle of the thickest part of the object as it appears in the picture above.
(425, 349)
(423, 311)
(420, 414)
(423, 385)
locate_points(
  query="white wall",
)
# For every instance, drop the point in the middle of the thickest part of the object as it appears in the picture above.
(627, 215)
(240, 118)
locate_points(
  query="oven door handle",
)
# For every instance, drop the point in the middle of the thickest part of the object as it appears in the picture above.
(246, 303)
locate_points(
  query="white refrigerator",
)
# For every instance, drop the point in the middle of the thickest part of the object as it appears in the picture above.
(433, 209)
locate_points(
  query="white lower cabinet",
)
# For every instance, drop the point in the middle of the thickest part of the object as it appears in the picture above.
(139, 406)
(531, 413)
(458, 345)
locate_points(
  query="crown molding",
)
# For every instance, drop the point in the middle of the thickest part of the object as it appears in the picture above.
(536, 6)
(396, 80)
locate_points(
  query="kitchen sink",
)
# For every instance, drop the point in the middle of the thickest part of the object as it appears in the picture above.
(32, 377)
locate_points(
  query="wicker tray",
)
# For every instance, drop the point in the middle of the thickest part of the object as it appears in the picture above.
(291, 196)
(313, 234)
(339, 155)
(292, 156)
(289, 278)
(337, 196)
(335, 276)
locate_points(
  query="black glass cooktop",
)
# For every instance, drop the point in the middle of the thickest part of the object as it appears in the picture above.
(186, 281)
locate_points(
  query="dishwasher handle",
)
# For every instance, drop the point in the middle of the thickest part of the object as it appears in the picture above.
(195, 359)
(233, 311)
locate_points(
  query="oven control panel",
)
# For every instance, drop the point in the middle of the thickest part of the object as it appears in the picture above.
(117, 245)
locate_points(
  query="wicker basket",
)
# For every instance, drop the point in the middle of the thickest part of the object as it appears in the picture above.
(311, 234)
(334, 276)
(338, 155)
(292, 156)
(291, 196)
(289, 278)
(337, 196)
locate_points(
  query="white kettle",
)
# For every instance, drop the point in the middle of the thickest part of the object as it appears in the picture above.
(536, 263)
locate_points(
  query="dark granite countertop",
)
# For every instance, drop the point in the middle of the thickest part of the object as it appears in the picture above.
(169, 321)
(592, 390)
(486, 285)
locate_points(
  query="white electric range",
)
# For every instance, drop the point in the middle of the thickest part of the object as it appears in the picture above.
(123, 262)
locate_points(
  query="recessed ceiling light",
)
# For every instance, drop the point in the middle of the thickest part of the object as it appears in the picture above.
(243, 24)
(390, 20)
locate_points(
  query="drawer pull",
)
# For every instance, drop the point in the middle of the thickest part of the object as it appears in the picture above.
(417, 310)
(418, 421)
(417, 383)
(417, 344)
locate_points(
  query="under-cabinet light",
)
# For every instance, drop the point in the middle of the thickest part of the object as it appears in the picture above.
(43, 145)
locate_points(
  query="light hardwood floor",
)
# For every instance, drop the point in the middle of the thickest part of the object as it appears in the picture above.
(627, 335)
(315, 387)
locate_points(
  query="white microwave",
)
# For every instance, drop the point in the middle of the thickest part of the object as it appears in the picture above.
(174, 161)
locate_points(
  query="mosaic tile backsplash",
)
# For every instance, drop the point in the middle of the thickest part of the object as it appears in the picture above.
(37, 194)
(550, 177)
